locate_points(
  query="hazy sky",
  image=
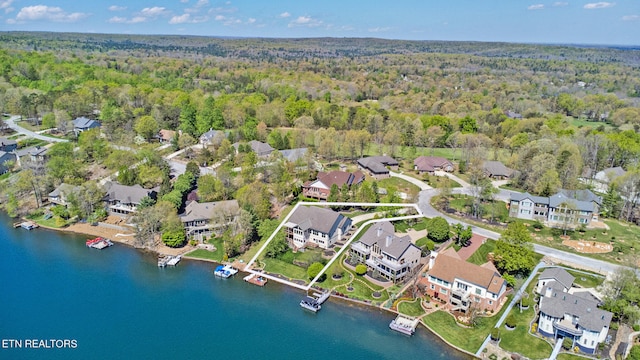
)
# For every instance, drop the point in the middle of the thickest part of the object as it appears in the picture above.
(582, 22)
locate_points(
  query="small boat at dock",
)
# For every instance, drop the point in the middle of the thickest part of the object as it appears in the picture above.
(255, 279)
(99, 243)
(225, 271)
(404, 324)
(310, 304)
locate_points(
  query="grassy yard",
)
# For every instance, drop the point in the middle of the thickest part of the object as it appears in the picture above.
(210, 255)
(404, 225)
(289, 270)
(439, 181)
(586, 280)
(519, 340)
(468, 339)
(400, 185)
(411, 308)
(480, 256)
(496, 209)
(566, 356)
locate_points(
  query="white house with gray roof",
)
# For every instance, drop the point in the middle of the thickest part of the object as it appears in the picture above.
(61, 194)
(573, 316)
(395, 258)
(204, 219)
(315, 226)
(566, 207)
(557, 275)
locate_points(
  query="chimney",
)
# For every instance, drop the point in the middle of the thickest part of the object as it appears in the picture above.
(432, 259)
(388, 240)
(379, 231)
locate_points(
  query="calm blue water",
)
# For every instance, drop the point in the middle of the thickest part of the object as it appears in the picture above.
(117, 304)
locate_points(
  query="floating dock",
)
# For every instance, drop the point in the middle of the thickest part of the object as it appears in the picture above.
(174, 260)
(404, 324)
(255, 279)
(99, 243)
(28, 225)
(168, 260)
(225, 271)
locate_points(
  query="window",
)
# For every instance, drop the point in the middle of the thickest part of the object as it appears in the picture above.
(478, 291)
(433, 287)
(444, 291)
(477, 299)
(490, 302)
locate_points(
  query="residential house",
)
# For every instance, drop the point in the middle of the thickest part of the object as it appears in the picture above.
(83, 124)
(34, 157)
(513, 115)
(321, 187)
(378, 166)
(60, 195)
(212, 137)
(572, 316)
(315, 226)
(431, 164)
(8, 145)
(204, 219)
(394, 258)
(559, 277)
(567, 207)
(4, 158)
(463, 285)
(603, 178)
(123, 199)
(496, 170)
(261, 149)
(166, 136)
(294, 155)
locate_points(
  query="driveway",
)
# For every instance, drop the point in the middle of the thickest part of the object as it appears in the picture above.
(416, 182)
(11, 123)
(454, 178)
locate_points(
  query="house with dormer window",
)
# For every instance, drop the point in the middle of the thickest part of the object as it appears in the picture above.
(315, 226)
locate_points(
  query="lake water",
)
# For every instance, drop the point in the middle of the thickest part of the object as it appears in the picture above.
(117, 304)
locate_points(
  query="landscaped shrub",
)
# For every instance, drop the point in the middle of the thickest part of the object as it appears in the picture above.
(567, 343)
(493, 357)
(525, 302)
(537, 225)
(510, 321)
(510, 279)
(495, 334)
(361, 269)
(636, 327)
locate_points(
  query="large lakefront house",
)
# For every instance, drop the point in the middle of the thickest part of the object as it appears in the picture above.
(123, 199)
(567, 207)
(394, 258)
(321, 187)
(463, 285)
(207, 218)
(315, 226)
(565, 315)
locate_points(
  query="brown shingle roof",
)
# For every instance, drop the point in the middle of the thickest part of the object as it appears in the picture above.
(431, 163)
(340, 178)
(450, 268)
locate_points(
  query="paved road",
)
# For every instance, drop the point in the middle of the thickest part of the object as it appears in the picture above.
(11, 123)
(564, 257)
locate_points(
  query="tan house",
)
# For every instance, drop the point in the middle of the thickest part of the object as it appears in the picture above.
(431, 164)
(463, 285)
(204, 219)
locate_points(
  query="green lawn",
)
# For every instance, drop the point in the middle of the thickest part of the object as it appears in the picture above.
(210, 255)
(404, 225)
(480, 256)
(400, 185)
(566, 356)
(519, 340)
(411, 308)
(362, 290)
(495, 209)
(289, 270)
(466, 338)
(439, 181)
(586, 280)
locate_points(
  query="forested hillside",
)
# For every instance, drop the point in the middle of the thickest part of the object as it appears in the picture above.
(554, 113)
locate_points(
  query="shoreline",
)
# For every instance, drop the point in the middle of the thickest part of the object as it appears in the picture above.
(345, 300)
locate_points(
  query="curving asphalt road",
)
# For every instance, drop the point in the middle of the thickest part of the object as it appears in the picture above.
(11, 123)
(564, 257)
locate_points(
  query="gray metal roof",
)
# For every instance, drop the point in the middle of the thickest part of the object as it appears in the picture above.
(324, 220)
(83, 123)
(589, 316)
(558, 274)
(127, 194)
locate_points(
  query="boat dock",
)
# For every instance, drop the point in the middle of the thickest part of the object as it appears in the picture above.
(225, 271)
(404, 324)
(27, 225)
(320, 297)
(168, 260)
(255, 279)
